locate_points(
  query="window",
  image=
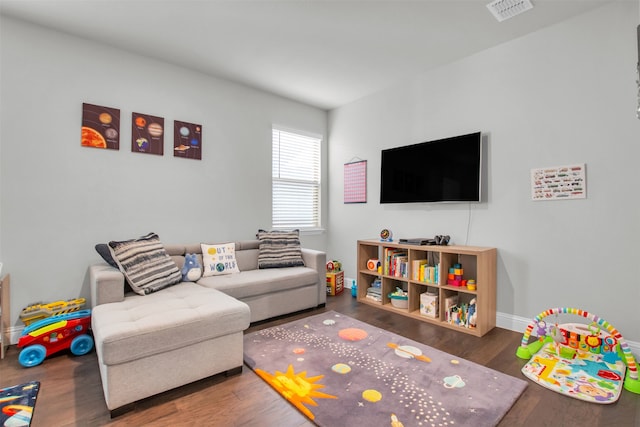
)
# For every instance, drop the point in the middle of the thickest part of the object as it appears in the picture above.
(295, 180)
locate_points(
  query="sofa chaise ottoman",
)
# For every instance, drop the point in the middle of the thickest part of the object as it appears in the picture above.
(150, 344)
(152, 340)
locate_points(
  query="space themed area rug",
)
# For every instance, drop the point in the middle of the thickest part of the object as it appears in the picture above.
(17, 404)
(340, 371)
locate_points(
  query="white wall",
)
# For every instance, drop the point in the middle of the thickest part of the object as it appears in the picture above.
(59, 199)
(563, 95)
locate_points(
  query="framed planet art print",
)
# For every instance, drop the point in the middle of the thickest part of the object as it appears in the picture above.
(187, 140)
(100, 127)
(147, 134)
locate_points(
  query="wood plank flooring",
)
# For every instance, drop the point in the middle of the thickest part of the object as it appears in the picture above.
(71, 391)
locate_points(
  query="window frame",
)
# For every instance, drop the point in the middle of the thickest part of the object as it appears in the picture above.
(281, 174)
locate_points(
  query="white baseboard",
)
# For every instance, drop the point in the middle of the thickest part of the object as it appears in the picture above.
(519, 324)
(14, 334)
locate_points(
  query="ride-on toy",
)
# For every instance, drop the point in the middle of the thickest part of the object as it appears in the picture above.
(53, 334)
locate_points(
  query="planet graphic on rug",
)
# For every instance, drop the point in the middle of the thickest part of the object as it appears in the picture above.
(454, 382)
(372, 395)
(298, 350)
(352, 334)
(408, 352)
(341, 368)
(329, 322)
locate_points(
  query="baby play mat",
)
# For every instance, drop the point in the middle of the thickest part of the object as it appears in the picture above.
(339, 371)
(583, 375)
(17, 404)
(590, 362)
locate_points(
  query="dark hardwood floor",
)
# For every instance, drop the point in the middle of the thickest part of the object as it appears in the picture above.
(71, 391)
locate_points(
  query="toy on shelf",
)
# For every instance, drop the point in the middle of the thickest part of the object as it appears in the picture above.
(399, 298)
(586, 362)
(36, 312)
(455, 278)
(374, 265)
(53, 334)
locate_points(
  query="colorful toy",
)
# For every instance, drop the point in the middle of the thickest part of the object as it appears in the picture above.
(37, 312)
(586, 362)
(472, 314)
(191, 270)
(53, 334)
(373, 264)
(334, 266)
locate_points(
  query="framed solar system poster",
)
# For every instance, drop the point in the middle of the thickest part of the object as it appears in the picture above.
(100, 127)
(187, 140)
(147, 134)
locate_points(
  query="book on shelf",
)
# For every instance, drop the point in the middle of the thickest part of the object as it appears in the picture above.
(416, 266)
(395, 262)
(429, 274)
(449, 303)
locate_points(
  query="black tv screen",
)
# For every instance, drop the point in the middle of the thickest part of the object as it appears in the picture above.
(445, 170)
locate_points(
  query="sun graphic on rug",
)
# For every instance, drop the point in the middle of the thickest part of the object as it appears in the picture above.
(296, 388)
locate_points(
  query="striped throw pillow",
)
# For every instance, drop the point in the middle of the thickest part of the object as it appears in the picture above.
(279, 248)
(146, 265)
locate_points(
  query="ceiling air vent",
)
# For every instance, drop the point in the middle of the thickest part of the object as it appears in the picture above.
(505, 9)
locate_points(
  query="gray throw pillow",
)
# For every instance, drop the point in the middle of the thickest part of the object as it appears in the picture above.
(105, 253)
(279, 248)
(145, 263)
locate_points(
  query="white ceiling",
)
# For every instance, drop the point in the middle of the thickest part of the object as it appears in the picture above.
(321, 52)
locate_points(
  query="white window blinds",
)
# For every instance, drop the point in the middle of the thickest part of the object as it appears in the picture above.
(295, 180)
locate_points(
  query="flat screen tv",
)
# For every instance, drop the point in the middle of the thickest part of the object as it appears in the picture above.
(445, 170)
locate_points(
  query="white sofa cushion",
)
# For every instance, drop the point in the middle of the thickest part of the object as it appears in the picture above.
(253, 283)
(175, 317)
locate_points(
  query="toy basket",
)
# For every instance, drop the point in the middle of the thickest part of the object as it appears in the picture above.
(399, 299)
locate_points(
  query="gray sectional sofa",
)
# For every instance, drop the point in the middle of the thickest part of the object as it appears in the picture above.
(148, 344)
